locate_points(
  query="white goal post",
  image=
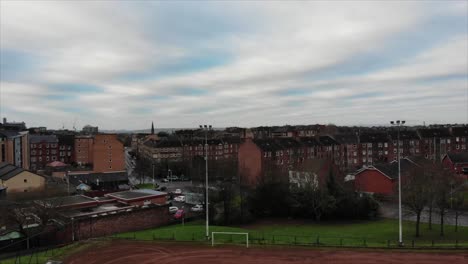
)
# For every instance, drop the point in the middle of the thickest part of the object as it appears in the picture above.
(229, 233)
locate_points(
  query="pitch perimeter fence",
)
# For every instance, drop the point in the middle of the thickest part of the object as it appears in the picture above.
(259, 238)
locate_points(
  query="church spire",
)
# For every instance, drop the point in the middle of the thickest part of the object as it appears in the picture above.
(152, 128)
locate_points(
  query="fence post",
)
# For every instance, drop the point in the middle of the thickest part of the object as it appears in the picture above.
(273, 239)
(365, 243)
(295, 240)
(433, 243)
(318, 240)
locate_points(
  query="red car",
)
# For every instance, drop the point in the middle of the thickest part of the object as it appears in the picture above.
(179, 214)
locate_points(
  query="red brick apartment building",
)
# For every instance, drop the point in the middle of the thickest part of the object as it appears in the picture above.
(103, 151)
(257, 157)
(84, 146)
(44, 149)
(108, 153)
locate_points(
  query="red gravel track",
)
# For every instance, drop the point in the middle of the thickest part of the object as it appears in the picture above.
(123, 252)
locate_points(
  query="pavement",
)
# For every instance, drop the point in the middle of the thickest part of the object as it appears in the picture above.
(390, 210)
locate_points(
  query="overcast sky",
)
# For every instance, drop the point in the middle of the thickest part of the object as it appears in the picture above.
(121, 65)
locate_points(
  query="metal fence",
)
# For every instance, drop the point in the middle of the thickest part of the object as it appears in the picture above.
(259, 238)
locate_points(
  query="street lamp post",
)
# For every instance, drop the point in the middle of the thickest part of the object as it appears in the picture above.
(206, 128)
(154, 182)
(398, 124)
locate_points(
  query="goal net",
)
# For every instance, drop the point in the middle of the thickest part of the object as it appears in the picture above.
(229, 238)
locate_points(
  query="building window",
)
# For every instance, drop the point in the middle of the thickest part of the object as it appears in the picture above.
(25, 180)
(386, 144)
(110, 167)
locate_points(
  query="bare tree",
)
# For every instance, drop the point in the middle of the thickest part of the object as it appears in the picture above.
(416, 192)
(443, 179)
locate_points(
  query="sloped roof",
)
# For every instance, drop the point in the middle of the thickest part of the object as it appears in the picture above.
(346, 138)
(460, 131)
(8, 171)
(43, 138)
(327, 141)
(391, 169)
(434, 132)
(267, 144)
(373, 137)
(458, 157)
(309, 141)
(404, 134)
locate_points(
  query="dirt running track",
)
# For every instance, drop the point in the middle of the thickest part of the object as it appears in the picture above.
(164, 253)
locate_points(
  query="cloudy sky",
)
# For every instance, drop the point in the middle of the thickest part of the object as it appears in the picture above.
(124, 64)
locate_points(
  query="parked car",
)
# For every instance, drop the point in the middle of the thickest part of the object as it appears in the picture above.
(178, 191)
(165, 180)
(179, 214)
(173, 209)
(173, 178)
(162, 188)
(197, 208)
(180, 198)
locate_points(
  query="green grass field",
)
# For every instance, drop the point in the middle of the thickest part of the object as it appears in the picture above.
(372, 233)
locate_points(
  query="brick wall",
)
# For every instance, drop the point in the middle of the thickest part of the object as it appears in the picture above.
(373, 181)
(138, 219)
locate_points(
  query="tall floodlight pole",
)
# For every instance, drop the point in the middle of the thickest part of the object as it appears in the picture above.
(206, 128)
(398, 124)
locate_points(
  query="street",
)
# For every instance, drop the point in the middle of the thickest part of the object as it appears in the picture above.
(390, 210)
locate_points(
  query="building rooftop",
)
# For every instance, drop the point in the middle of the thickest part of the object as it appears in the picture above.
(66, 201)
(43, 138)
(458, 157)
(373, 137)
(135, 194)
(327, 141)
(346, 138)
(391, 169)
(309, 141)
(460, 131)
(404, 134)
(8, 171)
(434, 132)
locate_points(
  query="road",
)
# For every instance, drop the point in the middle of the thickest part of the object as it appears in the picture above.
(390, 210)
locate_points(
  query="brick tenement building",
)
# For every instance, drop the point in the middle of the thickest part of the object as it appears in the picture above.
(108, 153)
(66, 148)
(84, 146)
(44, 149)
(260, 159)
